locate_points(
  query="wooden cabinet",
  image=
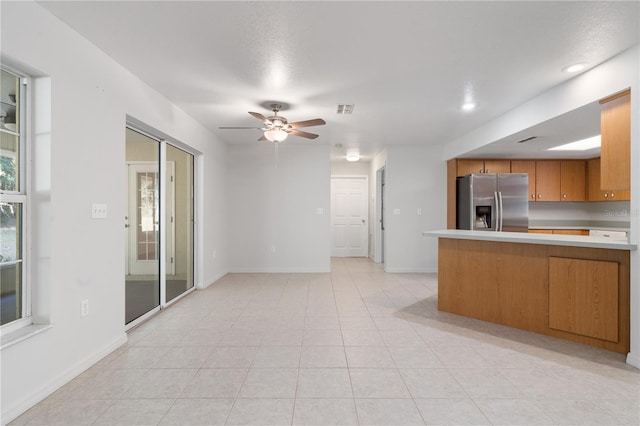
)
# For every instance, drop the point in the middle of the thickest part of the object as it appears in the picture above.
(465, 167)
(594, 191)
(547, 180)
(528, 167)
(497, 166)
(583, 297)
(575, 293)
(573, 175)
(615, 151)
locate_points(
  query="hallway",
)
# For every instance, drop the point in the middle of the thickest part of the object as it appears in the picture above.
(356, 346)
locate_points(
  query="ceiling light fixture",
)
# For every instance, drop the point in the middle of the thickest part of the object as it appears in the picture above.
(581, 145)
(353, 156)
(275, 134)
(574, 68)
(468, 106)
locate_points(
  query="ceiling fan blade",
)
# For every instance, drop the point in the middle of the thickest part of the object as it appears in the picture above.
(260, 117)
(227, 127)
(262, 138)
(307, 123)
(303, 134)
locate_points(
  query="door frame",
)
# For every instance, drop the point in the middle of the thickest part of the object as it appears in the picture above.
(378, 226)
(169, 227)
(367, 207)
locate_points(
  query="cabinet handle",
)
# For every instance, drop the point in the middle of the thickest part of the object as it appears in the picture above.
(564, 195)
(533, 196)
(539, 196)
(481, 171)
(613, 195)
(486, 170)
(606, 195)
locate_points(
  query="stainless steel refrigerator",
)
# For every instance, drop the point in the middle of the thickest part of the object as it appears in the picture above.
(493, 202)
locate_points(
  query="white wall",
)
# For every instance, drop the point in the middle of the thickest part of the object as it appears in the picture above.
(615, 75)
(415, 180)
(350, 168)
(275, 226)
(84, 148)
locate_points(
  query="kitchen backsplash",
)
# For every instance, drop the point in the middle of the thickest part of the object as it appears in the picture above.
(597, 214)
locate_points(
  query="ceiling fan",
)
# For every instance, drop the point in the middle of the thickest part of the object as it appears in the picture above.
(277, 128)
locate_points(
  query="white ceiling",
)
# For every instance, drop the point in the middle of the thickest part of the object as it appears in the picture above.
(407, 66)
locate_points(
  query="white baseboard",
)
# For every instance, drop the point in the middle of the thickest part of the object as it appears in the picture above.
(210, 280)
(12, 412)
(393, 270)
(633, 360)
(282, 270)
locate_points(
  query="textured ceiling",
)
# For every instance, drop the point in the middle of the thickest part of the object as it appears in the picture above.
(407, 66)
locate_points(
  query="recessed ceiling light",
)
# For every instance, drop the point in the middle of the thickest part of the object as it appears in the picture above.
(468, 106)
(581, 145)
(574, 68)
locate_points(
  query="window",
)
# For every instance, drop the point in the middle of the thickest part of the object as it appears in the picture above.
(14, 295)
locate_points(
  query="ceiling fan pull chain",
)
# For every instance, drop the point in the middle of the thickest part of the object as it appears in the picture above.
(276, 145)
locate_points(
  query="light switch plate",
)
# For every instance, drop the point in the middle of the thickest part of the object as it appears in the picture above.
(396, 212)
(98, 211)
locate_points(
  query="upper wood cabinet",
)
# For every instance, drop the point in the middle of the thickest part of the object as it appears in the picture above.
(595, 191)
(615, 152)
(497, 166)
(555, 180)
(547, 180)
(465, 167)
(529, 167)
(573, 176)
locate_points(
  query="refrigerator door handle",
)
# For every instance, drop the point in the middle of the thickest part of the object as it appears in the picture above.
(500, 209)
(496, 197)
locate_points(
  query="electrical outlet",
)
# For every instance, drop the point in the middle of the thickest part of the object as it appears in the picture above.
(84, 308)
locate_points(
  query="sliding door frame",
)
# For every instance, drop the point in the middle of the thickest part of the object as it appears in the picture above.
(135, 126)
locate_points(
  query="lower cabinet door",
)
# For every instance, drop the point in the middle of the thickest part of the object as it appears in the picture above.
(583, 297)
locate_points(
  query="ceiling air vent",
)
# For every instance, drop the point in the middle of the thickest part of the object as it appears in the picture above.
(530, 138)
(345, 109)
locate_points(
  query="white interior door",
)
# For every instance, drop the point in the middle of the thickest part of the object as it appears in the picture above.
(349, 213)
(143, 245)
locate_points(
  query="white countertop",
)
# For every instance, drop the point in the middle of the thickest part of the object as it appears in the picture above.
(526, 238)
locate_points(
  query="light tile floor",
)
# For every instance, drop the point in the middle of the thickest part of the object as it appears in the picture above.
(357, 346)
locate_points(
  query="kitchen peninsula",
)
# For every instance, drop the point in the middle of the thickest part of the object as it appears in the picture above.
(571, 287)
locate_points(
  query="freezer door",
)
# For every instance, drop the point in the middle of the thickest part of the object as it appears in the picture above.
(514, 191)
(484, 212)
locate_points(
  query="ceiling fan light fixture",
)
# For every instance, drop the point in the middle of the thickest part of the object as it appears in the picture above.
(275, 135)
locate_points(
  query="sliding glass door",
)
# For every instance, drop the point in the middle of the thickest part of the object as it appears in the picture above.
(179, 214)
(142, 224)
(158, 224)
